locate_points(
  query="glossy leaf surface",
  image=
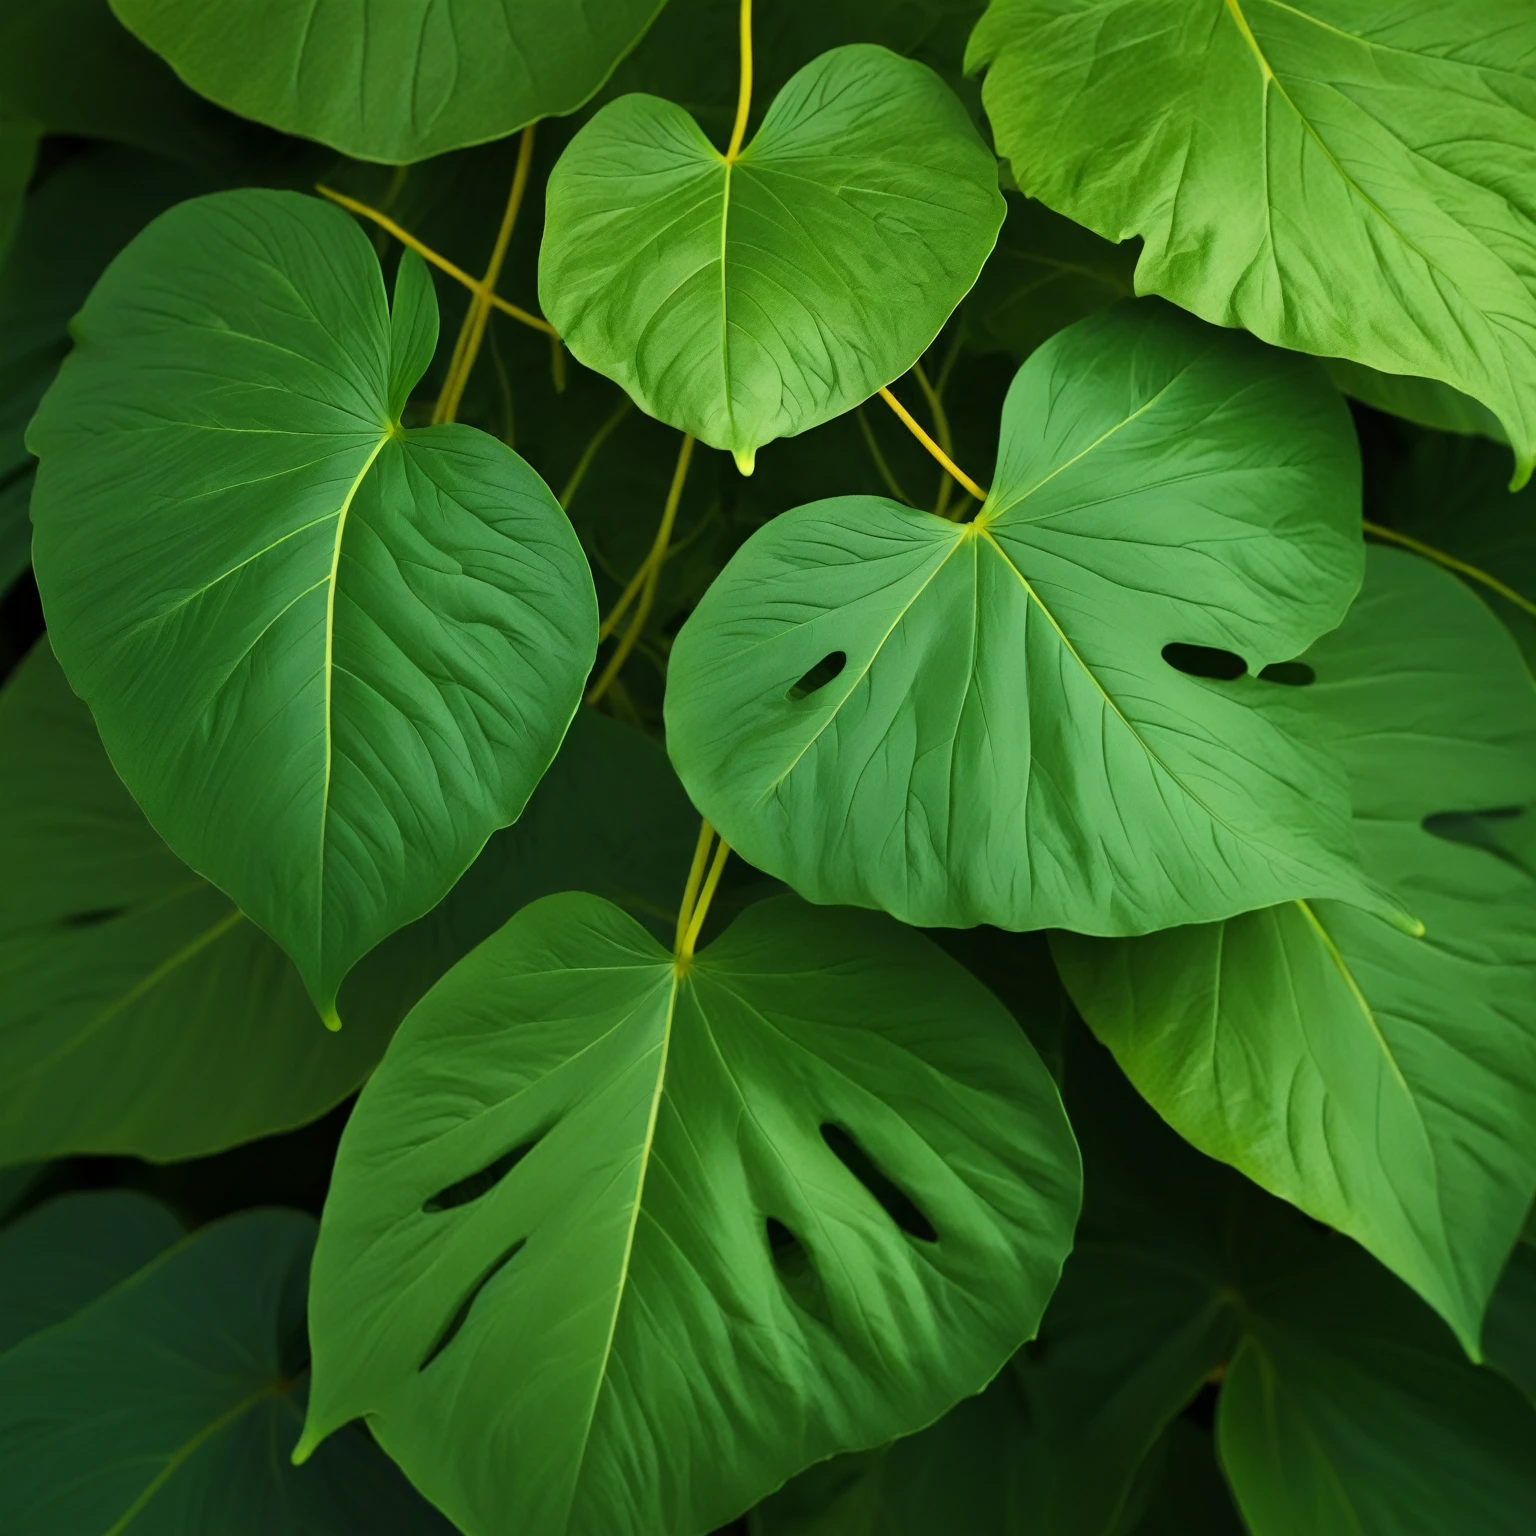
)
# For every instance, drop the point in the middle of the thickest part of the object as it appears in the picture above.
(1347, 179)
(392, 81)
(329, 656)
(170, 1406)
(64, 1254)
(749, 300)
(800, 1200)
(1385, 1084)
(967, 723)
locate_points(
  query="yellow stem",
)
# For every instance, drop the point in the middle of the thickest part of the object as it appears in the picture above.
(744, 93)
(695, 875)
(949, 464)
(1451, 563)
(647, 577)
(701, 908)
(589, 453)
(892, 483)
(472, 333)
(941, 426)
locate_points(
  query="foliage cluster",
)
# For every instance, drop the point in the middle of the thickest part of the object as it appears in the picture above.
(1046, 482)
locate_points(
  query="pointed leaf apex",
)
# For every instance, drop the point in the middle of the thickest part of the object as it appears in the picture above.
(746, 459)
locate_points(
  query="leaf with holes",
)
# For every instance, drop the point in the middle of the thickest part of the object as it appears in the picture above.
(392, 81)
(1385, 1084)
(752, 299)
(171, 1403)
(328, 656)
(1351, 180)
(976, 724)
(614, 1250)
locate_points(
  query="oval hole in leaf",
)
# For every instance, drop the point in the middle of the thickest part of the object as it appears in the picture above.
(459, 1318)
(896, 1203)
(482, 1182)
(819, 675)
(1204, 661)
(1289, 674)
(796, 1271)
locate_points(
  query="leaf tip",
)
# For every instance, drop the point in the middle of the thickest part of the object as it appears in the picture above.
(746, 459)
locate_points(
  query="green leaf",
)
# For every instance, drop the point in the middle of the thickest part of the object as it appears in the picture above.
(969, 723)
(609, 817)
(1046, 273)
(1385, 1084)
(795, 1201)
(328, 656)
(170, 1405)
(1350, 180)
(1426, 402)
(391, 82)
(62, 1255)
(72, 226)
(18, 154)
(139, 1011)
(1509, 1335)
(1190, 1496)
(748, 300)
(16, 1183)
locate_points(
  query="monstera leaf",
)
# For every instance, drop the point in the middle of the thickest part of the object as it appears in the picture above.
(1385, 1084)
(392, 81)
(748, 299)
(170, 1404)
(328, 656)
(976, 724)
(1351, 180)
(797, 1196)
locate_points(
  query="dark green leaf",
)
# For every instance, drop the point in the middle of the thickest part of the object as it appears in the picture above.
(1509, 1336)
(329, 656)
(795, 1201)
(1348, 179)
(169, 1406)
(1385, 1084)
(967, 723)
(18, 155)
(749, 300)
(1190, 1496)
(1424, 401)
(388, 81)
(62, 1255)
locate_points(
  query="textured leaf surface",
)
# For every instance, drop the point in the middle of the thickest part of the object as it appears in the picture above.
(749, 300)
(170, 1406)
(594, 1262)
(328, 656)
(392, 81)
(57, 1258)
(1002, 739)
(1345, 178)
(1385, 1084)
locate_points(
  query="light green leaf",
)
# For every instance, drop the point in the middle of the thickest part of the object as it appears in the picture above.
(73, 225)
(57, 1258)
(169, 1406)
(1347, 179)
(1426, 402)
(1385, 1084)
(328, 656)
(969, 723)
(749, 300)
(798, 1200)
(139, 1011)
(1046, 273)
(382, 80)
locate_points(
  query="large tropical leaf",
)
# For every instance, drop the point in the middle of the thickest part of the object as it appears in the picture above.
(1385, 1084)
(796, 1197)
(751, 299)
(1348, 179)
(966, 723)
(382, 80)
(170, 1404)
(18, 155)
(328, 656)
(57, 1258)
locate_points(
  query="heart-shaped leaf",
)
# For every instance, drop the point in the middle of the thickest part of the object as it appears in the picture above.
(751, 299)
(1385, 1084)
(170, 1404)
(328, 656)
(616, 1249)
(393, 80)
(976, 723)
(1352, 180)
